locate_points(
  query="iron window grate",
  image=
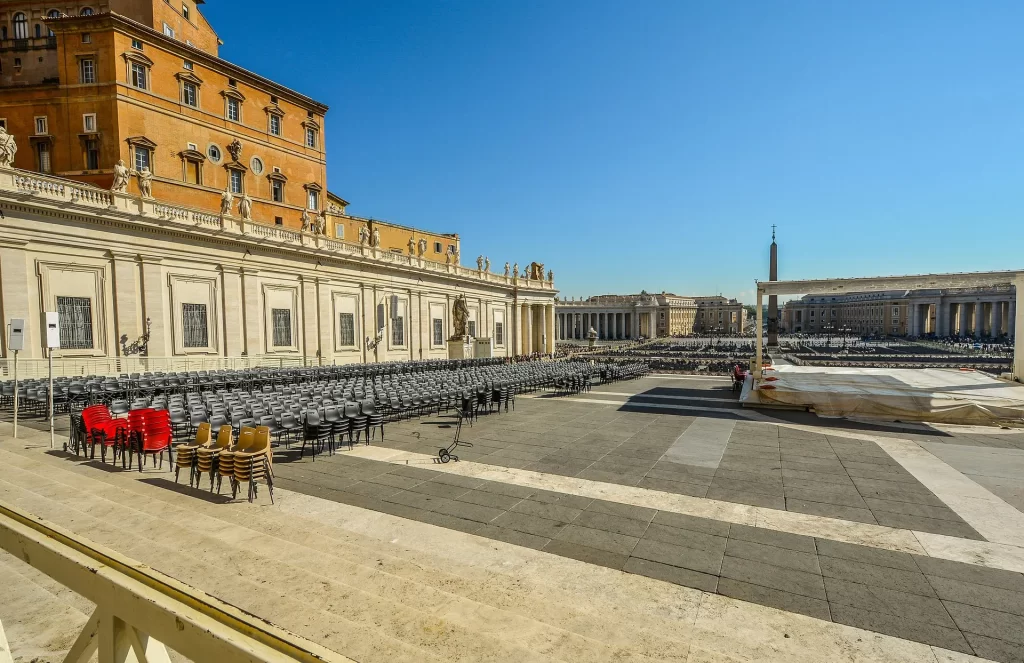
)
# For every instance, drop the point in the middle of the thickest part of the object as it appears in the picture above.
(75, 322)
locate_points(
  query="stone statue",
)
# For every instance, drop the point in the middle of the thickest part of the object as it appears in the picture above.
(487, 264)
(145, 182)
(506, 270)
(225, 201)
(321, 224)
(448, 256)
(8, 148)
(460, 316)
(245, 207)
(412, 246)
(307, 222)
(457, 256)
(551, 276)
(515, 271)
(422, 246)
(121, 176)
(364, 235)
(235, 149)
(480, 263)
(536, 271)
(375, 239)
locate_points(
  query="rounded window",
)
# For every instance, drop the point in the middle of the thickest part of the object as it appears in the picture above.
(257, 165)
(86, 11)
(214, 153)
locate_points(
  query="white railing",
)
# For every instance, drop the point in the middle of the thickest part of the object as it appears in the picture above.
(140, 612)
(79, 366)
(79, 194)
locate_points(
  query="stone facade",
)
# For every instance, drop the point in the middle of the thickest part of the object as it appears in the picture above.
(626, 317)
(720, 315)
(215, 287)
(975, 312)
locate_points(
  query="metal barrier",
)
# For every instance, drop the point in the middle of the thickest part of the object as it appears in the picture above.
(114, 366)
(140, 612)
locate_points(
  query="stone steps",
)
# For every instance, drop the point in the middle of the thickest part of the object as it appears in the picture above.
(363, 598)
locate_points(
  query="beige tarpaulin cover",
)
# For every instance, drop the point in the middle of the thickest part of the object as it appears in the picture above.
(938, 395)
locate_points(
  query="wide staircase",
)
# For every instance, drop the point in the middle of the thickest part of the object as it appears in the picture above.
(364, 584)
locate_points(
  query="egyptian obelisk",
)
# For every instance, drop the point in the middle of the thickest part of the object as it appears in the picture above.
(773, 300)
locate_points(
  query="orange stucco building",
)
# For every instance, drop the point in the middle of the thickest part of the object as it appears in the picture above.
(84, 84)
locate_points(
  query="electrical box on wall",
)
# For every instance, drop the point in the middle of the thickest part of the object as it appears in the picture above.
(17, 338)
(52, 330)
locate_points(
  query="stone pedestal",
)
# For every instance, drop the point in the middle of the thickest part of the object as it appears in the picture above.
(459, 348)
(483, 348)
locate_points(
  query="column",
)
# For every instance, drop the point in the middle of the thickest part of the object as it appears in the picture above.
(252, 316)
(636, 324)
(962, 318)
(549, 320)
(234, 329)
(309, 331)
(126, 298)
(911, 318)
(14, 288)
(620, 320)
(941, 318)
(979, 319)
(325, 330)
(155, 307)
(997, 320)
(527, 328)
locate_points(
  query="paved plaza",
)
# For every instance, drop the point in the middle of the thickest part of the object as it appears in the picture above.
(646, 520)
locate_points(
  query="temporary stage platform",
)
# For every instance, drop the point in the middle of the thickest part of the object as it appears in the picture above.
(928, 394)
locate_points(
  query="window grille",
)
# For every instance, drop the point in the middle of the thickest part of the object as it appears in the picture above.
(75, 319)
(398, 331)
(438, 325)
(499, 333)
(139, 74)
(282, 321)
(233, 110)
(195, 331)
(347, 329)
(141, 158)
(236, 181)
(88, 71)
(277, 191)
(275, 125)
(471, 328)
(189, 95)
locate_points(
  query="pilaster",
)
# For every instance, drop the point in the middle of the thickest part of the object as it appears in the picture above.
(14, 288)
(155, 305)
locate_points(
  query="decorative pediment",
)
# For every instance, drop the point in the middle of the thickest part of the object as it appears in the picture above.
(188, 76)
(140, 141)
(279, 177)
(192, 155)
(135, 56)
(274, 109)
(311, 124)
(236, 165)
(312, 186)
(233, 93)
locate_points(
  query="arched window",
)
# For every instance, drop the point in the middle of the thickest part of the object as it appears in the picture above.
(53, 13)
(20, 26)
(86, 11)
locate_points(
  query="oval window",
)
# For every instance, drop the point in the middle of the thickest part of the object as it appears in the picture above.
(257, 165)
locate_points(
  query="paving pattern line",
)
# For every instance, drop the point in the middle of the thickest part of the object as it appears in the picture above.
(702, 444)
(987, 513)
(668, 376)
(666, 397)
(660, 406)
(978, 553)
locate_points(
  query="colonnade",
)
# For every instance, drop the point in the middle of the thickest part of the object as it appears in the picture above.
(534, 330)
(609, 325)
(981, 319)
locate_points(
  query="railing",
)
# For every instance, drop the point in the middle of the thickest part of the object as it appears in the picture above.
(141, 611)
(77, 366)
(75, 193)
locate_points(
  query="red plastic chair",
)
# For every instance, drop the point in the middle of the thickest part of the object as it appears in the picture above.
(103, 430)
(153, 436)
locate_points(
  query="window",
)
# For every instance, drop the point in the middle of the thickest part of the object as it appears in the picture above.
(142, 158)
(3, 122)
(281, 318)
(214, 153)
(278, 221)
(232, 82)
(20, 26)
(187, 64)
(86, 11)
(169, 31)
(314, 199)
(499, 333)
(398, 331)
(235, 177)
(257, 165)
(87, 71)
(438, 327)
(184, 11)
(75, 322)
(895, 311)
(194, 331)
(471, 328)
(139, 75)
(310, 137)
(17, 64)
(41, 125)
(43, 153)
(89, 123)
(339, 231)
(136, 44)
(193, 172)
(437, 247)
(347, 329)
(233, 114)
(39, 31)
(189, 94)
(92, 155)
(277, 190)
(275, 125)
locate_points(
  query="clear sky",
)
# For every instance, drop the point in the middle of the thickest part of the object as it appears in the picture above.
(651, 145)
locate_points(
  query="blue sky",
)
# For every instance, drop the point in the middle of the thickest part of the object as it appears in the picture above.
(632, 145)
